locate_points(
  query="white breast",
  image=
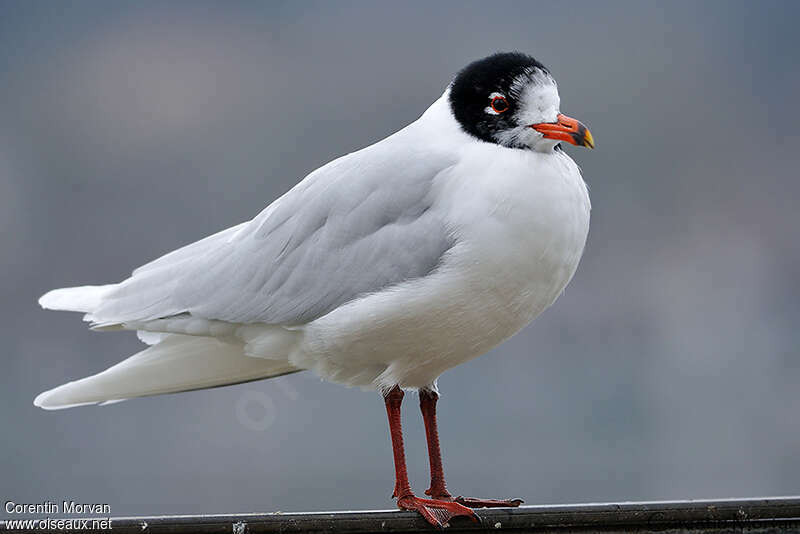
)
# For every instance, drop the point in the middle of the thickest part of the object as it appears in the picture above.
(520, 219)
(526, 224)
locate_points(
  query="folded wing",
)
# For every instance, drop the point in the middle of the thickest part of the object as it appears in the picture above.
(357, 225)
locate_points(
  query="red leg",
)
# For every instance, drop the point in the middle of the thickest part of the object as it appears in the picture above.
(394, 401)
(438, 489)
(437, 513)
(427, 405)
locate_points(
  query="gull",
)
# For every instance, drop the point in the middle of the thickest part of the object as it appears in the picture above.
(381, 269)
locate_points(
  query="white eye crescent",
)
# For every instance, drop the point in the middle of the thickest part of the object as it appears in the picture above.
(497, 104)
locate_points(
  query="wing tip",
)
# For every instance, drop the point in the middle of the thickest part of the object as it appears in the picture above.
(63, 397)
(50, 300)
(49, 400)
(81, 299)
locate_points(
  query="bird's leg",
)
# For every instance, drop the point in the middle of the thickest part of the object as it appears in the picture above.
(438, 489)
(437, 513)
(427, 405)
(394, 400)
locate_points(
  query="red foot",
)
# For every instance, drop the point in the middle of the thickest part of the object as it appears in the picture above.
(488, 503)
(437, 513)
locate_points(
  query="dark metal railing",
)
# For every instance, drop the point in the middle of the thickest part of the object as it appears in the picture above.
(779, 515)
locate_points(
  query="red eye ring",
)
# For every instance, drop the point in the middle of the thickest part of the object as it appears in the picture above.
(499, 104)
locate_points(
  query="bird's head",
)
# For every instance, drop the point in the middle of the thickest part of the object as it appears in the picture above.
(512, 100)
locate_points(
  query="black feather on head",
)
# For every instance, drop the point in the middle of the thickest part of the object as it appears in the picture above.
(472, 87)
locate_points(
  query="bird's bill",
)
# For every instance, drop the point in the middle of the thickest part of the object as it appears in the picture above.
(566, 129)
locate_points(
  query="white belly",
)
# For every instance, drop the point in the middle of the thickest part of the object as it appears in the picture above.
(519, 240)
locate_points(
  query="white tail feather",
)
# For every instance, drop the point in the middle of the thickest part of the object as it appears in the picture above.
(177, 363)
(80, 299)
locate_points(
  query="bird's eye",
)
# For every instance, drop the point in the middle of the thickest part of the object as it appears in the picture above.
(499, 104)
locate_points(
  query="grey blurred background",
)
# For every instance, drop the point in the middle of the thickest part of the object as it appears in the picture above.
(669, 368)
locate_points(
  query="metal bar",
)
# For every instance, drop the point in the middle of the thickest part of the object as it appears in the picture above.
(753, 516)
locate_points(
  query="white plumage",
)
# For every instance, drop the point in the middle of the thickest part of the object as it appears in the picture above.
(384, 267)
(176, 363)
